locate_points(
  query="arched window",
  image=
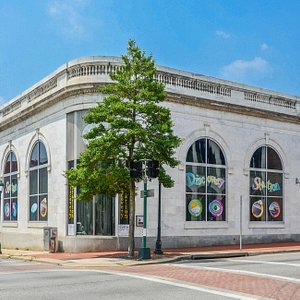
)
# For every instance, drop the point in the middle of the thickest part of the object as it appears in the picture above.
(266, 185)
(205, 182)
(10, 199)
(38, 183)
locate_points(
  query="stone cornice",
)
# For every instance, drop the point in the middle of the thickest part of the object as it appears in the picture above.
(82, 75)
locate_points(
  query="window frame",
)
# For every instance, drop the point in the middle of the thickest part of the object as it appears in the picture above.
(223, 196)
(265, 196)
(40, 198)
(11, 199)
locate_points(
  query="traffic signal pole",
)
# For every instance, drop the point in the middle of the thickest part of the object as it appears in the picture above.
(144, 252)
(158, 249)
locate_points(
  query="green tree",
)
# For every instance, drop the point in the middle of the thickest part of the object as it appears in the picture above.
(130, 124)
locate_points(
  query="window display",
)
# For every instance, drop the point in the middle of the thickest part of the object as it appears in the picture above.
(205, 182)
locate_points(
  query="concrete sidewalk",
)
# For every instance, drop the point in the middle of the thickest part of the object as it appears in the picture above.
(119, 258)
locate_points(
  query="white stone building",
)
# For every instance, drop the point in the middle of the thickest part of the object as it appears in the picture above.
(238, 142)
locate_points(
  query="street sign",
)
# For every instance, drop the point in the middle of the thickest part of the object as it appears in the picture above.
(150, 193)
(139, 221)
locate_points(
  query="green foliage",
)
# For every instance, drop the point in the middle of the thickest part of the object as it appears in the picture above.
(130, 124)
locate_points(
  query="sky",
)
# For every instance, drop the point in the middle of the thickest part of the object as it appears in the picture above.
(254, 42)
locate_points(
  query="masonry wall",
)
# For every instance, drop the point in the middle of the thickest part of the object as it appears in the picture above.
(238, 135)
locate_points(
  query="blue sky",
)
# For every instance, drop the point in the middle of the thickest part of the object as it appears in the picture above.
(254, 42)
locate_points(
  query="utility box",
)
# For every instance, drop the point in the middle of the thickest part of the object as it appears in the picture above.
(50, 239)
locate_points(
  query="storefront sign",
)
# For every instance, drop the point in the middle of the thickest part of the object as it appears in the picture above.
(71, 229)
(71, 205)
(124, 208)
(259, 185)
(123, 229)
(198, 180)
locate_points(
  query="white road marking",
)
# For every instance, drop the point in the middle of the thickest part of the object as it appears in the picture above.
(264, 262)
(263, 275)
(218, 292)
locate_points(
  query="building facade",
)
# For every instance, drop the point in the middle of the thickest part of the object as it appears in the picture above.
(239, 163)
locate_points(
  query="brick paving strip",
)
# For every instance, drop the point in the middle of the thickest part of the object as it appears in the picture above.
(248, 284)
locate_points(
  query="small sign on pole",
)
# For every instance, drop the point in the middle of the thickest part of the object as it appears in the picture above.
(139, 221)
(150, 193)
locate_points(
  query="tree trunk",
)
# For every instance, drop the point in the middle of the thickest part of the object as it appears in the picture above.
(131, 218)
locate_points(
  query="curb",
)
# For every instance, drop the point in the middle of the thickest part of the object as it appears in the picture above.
(129, 263)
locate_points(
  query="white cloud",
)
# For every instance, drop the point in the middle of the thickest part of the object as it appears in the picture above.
(223, 34)
(246, 69)
(264, 47)
(67, 15)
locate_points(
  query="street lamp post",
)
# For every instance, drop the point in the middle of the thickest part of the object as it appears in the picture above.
(158, 240)
(1, 190)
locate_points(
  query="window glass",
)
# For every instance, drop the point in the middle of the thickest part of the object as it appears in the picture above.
(274, 184)
(216, 207)
(14, 186)
(34, 159)
(33, 208)
(7, 164)
(6, 210)
(104, 220)
(266, 186)
(205, 182)
(14, 209)
(258, 160)
(195, 207)
(197, 152)
(38, 184)
(195, 179)
(10, 192)
(33, 179)
(274, 206)
(216, 180)
(7, 187)
(43, 155)
(43, 180)
(43, 208)
(257, 209)
(257, 183)
(214, 154)
(14, 165)
(274, 161)
(84, 217)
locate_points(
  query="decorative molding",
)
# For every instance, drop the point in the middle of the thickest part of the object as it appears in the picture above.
(271, 100)
(37, 92)
(185, 85)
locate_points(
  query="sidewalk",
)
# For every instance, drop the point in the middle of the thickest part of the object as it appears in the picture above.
(119, 258)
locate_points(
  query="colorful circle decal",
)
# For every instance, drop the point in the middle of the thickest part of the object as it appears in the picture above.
(274, 209)
(43, 208)
(6, 210)
(195, 207)
(34, 208)
(14, 209)
(216, 208)
(257, 209)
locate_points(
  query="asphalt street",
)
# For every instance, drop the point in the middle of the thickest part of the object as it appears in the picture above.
(272, 276)
(29, 280)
